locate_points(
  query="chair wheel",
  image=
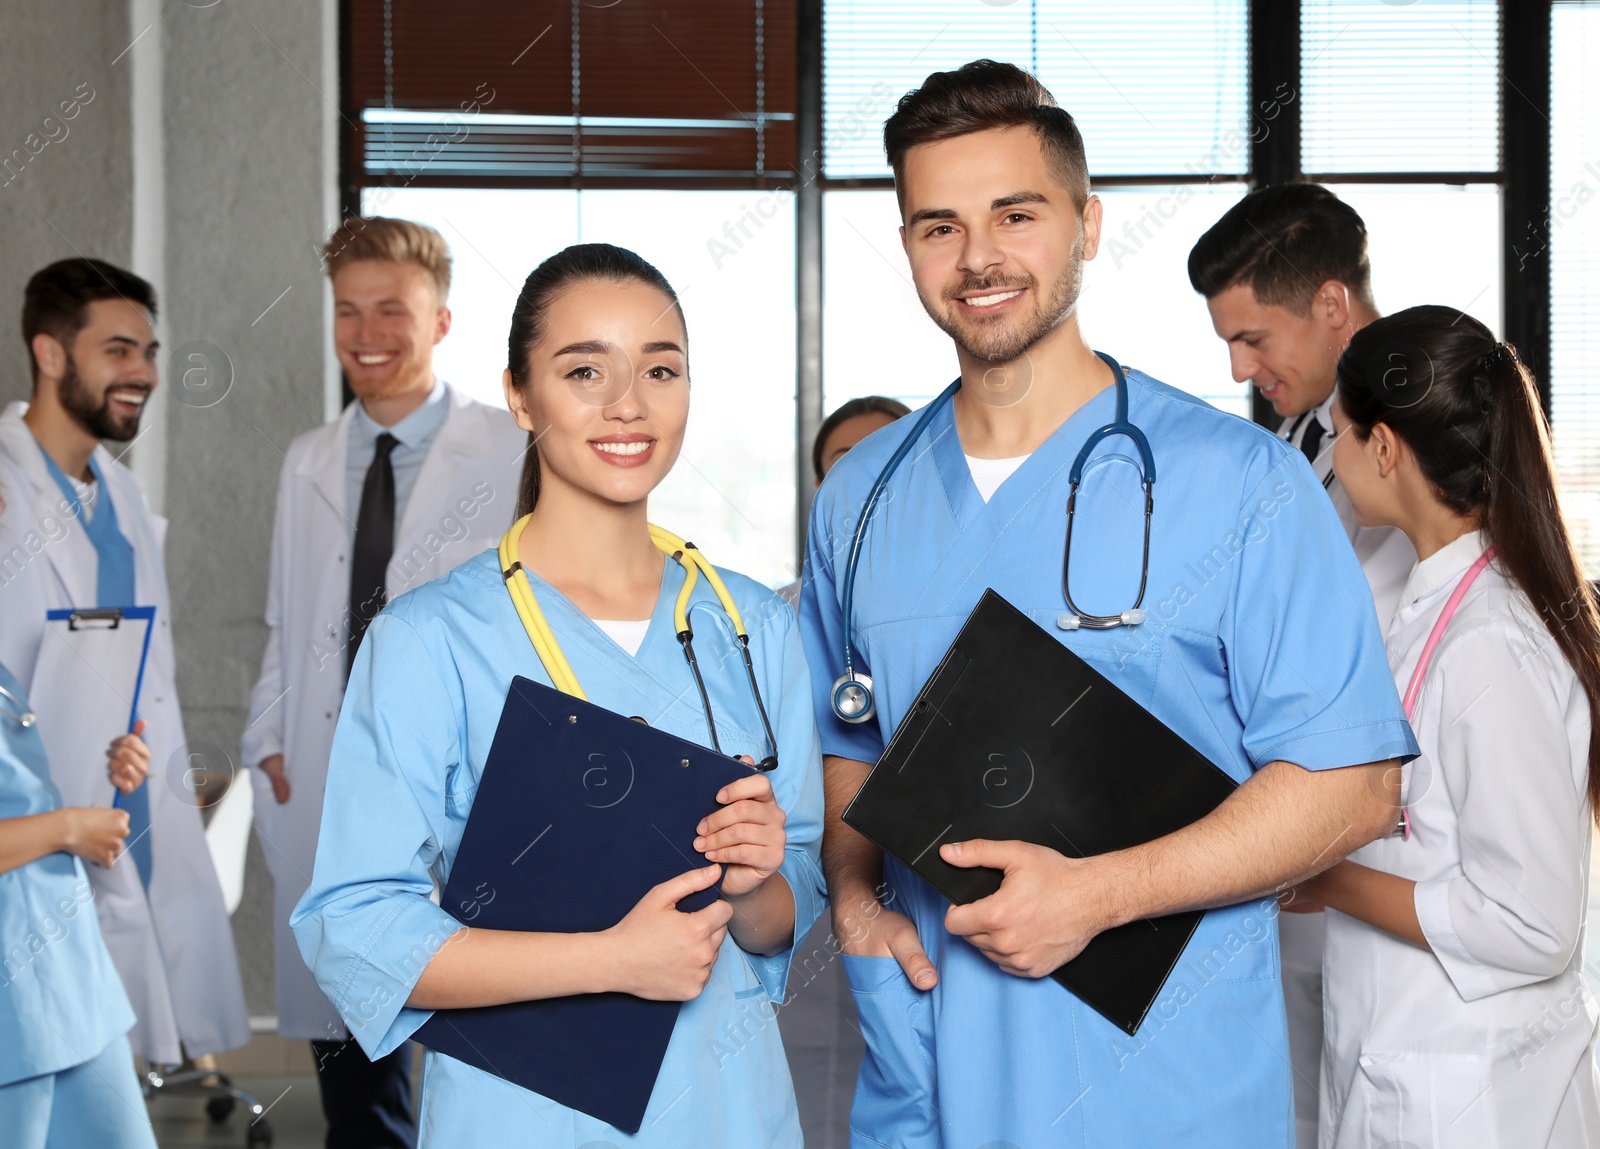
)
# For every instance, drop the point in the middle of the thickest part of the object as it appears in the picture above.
(218, 1108)
(259, 1133)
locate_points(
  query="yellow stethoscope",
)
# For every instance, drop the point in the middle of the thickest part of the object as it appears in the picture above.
(694, 564)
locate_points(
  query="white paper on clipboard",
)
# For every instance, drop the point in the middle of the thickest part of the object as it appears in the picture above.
(85, 691)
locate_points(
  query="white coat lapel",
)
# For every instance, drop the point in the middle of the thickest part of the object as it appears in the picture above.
(429, 538)
(72, 558)
(324, 473)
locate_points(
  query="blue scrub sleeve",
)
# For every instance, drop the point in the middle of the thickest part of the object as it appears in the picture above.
(822, 626)
(796, 783)
(1307, 668)
(366, 925)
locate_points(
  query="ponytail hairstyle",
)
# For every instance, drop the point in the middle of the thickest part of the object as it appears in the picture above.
(563, 270)
(1469, 411)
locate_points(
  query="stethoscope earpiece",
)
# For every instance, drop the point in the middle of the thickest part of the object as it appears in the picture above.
(852, 698)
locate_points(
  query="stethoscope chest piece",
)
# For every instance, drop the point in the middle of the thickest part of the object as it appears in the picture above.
(852, 698)
(24, 717)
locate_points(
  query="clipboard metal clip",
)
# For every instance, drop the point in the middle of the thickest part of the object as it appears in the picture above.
(105, 618)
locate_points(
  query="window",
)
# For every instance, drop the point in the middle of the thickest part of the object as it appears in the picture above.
(1160, 102)
(1400, 87)
(730, 257)
(482, 93)
(1570, 239)
(1432, 243)
(1134, 98)
(672, 129)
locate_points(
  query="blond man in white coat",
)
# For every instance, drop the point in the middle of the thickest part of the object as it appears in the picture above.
(76, 532)
(412, 480)
(1287, 281)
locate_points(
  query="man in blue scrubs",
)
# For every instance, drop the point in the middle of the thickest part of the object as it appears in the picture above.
(1259, 645)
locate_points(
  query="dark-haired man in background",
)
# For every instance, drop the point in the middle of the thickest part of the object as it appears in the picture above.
(968, 1041)
(76, 532)
(1286, 278)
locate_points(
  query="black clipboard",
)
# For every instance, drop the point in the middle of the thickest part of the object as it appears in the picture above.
(579, 812)
(1016, 737)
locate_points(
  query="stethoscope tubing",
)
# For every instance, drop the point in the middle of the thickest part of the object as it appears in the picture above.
(694, 564)
(1121, 425)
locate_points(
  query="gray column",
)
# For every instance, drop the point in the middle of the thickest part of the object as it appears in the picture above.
(249, 95)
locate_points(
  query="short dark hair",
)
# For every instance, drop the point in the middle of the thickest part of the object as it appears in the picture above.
(976, 97)
(866, 405)
(57, 297)
(1285, 242)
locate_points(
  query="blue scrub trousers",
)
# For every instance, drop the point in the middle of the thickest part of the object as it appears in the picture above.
(94, 1105)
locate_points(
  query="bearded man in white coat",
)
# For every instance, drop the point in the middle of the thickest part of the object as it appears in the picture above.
(413, 479)
(77, 533)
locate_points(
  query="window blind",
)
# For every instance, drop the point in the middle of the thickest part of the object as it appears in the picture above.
(1158, 87)
(1400, 87)
(483, 93)
(1569, 237)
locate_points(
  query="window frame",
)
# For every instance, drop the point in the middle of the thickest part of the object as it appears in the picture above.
(1273, 31)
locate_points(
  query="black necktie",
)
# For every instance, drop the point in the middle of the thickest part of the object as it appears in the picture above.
(374, 545)
(1311, 441)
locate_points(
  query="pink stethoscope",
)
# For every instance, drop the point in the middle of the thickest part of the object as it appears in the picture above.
(1414, 687)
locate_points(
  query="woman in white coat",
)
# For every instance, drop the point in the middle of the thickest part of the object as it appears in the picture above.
(1455, 1007)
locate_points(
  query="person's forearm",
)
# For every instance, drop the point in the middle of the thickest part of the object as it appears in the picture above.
(1281, 826)
(1386, 901)
(763, 920)
(493, 967)
(31, 837)
(851, 865)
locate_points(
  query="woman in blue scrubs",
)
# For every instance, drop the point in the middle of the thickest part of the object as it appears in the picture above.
(599, 377)
(66, 1072)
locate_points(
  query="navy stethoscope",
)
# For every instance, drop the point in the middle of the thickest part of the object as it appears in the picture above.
(852, 692)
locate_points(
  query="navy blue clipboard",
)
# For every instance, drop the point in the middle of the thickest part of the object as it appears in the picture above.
(579, 813)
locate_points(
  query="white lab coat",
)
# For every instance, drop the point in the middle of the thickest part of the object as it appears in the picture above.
(1387, 557)
(174, 950)
(461, 503)
(1487, 1042)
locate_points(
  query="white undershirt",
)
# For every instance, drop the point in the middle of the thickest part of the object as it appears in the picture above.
(988, 474)
(626, 633)
(87, 497)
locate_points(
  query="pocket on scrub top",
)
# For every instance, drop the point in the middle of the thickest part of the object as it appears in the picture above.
(895, 1092)
(1424, 1099)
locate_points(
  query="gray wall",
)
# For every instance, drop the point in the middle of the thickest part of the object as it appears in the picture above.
(76, 194)
(249, 196)
(205, 161)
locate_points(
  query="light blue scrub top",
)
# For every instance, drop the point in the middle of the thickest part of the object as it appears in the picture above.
(61, 1001)
(1261, 643)
(423, 703)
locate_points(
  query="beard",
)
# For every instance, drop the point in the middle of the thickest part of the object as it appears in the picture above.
(97, 418)
(1006, 340)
